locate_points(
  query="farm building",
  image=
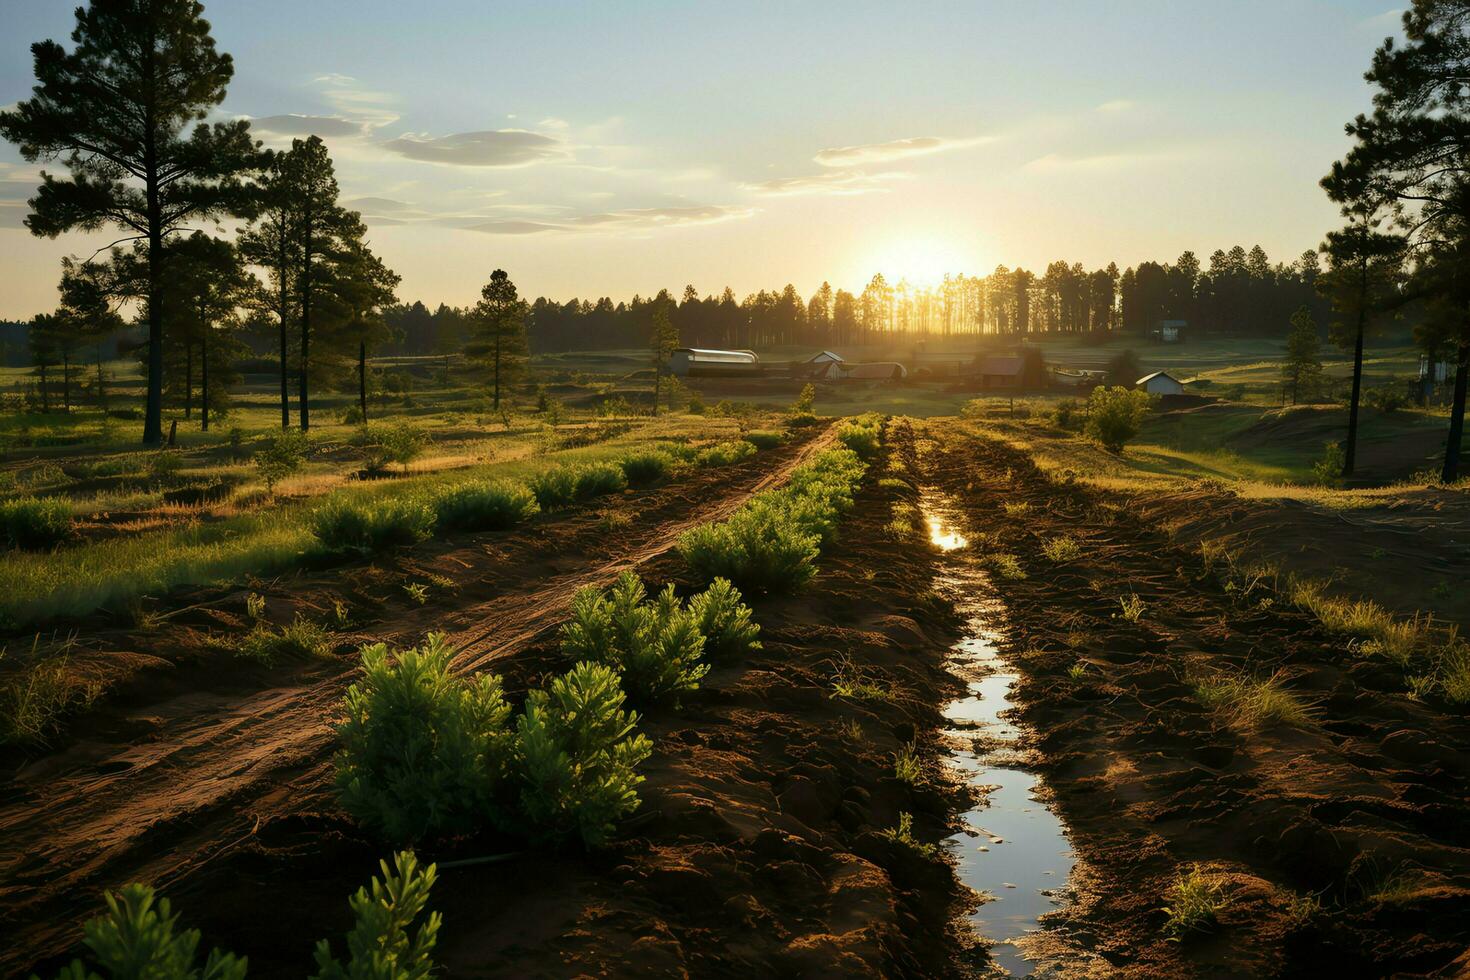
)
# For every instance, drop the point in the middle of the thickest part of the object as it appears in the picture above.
(1169, 331)
(827, 366)
(943, 364)
(817, 365)
(1024, 368)
(692, 362)
(1160, 383)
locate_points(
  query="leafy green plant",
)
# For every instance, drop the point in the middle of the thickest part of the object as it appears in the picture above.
(647, 467)
(284, 456)
(1132, 607)
(1195, 902)
(492, 505)
(379, 946)
(1328, 470)
(369, 525)
(1114, 415)
(138, 939)
(656, 646)
(724, 621)
(903, 833)
(300, 640)
(579, 753)
(34, 523)
(1007, 566)
(417, 591)
(906, 765)
(422, 752)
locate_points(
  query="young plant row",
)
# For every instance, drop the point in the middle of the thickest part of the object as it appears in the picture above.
(425, 754)
(138, 937)
(346, 524)
(771, 544)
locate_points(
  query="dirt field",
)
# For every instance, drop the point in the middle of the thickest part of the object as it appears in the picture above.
(1338, 845)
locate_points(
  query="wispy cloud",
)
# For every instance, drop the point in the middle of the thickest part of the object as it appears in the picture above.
(296, 124)
(344, 93)
(630, 220)
(831, 182)
(1116, 105)
(488, 148)
(866, 153)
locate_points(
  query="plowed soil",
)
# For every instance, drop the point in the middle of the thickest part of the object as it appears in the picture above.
(756, 850)
(1365, 810)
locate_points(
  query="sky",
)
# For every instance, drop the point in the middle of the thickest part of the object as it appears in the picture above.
(617, 147)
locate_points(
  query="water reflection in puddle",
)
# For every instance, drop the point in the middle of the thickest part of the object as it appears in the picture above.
(942, 536)
(1014, 848)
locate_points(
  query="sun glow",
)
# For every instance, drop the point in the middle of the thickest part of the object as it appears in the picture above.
(921, 261)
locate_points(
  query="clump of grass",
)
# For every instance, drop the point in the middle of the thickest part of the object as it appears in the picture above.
(1132, 607)
(34, 523)
(613, 520)
(647, 467)
(1017, 509)
(35, 698)
(555, 486)
(903, 833)
(1302, 910)
(894, 483)
(1062, 549)
(726, 453)
(418, 592)
(852, 731)
(1252, 703)
(300, 640)
(365, 526)
(907, 523)
(857, 684)
(1195, 902)
(1006, 565)
(765, 438)
(1078, 671)
(906, 765)
(599, 480)
(492, 505)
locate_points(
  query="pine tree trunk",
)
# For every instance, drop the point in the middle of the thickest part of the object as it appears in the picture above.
(497, 367)
(204, 379)
(1457, 417)
(1351, 454)
(188, 379)
(285, 394)
(305, 326)
(362, 379)
(153, 404)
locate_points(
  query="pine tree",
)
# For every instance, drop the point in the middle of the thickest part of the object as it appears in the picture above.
(1303, 367)
(664, 340)
(123, 111)
(500, 329)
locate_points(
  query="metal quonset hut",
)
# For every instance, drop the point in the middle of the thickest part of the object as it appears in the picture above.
(693, 362)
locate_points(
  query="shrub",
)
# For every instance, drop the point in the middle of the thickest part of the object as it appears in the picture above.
(724, 621)
(1387, 399)
(384, 444)
(485, 505)
(1065, 415)
(726, 453)
(805, 400)
(367, 526)
(554, 487)
(379, 945)
(35, 698)
(1062, 549)
(164, 464)
(352, 415)
(647, 467)
(578, 753)
(1252, 703)
(423, 753)
(903, 833)
(1328, 469)
(863, 435)
(600, 479)
(300, 640)
(772, 542)
(136, 938)
(282, 457)
(1114, 415)
(34, 523)
(656, 646)
(765, 438)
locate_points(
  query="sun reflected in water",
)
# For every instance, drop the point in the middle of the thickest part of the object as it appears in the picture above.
(945, 538)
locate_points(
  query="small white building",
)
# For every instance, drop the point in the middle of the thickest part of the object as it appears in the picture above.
(692, 362)
(1160, 383)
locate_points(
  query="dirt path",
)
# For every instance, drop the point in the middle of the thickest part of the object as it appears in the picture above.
(155, 788)
(1339, 844)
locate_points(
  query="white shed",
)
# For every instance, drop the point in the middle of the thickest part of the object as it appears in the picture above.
(1160, 383)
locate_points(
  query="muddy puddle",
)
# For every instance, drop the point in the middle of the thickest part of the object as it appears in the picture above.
(1014, 849)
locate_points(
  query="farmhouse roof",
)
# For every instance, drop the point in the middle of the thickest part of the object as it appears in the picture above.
(1157, 374)
(825, 355)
